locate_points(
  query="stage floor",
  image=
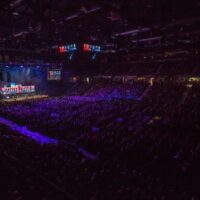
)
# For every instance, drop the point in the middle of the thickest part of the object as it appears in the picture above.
(24, 98)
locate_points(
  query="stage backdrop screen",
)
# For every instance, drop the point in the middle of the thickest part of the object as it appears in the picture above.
(54, 75)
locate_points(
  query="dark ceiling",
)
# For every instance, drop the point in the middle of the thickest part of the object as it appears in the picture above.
(117, 25)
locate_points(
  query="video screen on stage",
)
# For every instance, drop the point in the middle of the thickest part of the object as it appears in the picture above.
(54, 75)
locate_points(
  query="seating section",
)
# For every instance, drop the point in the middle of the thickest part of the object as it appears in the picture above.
(142, 148)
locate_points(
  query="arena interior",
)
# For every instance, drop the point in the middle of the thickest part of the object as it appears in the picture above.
(99, 100)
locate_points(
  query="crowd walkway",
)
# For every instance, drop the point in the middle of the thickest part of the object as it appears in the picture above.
(41, 139)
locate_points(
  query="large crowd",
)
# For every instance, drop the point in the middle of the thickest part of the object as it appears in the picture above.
(143, 148)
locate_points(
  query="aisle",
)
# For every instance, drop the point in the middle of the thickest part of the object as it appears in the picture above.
(41, 139)
(24, 131)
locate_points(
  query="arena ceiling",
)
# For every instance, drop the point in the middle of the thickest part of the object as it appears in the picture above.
(117, 25)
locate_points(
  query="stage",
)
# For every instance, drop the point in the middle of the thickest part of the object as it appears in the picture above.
(24, 98)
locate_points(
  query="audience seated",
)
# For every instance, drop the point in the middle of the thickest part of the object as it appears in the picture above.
(145, 147)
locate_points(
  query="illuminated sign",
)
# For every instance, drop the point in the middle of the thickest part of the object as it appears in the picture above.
(61, 49)
(54, 75)
(67, 48)
(18, 89)
(92, 48)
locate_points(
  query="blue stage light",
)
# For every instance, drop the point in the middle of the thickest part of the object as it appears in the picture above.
(71, 55)
(94, 56)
